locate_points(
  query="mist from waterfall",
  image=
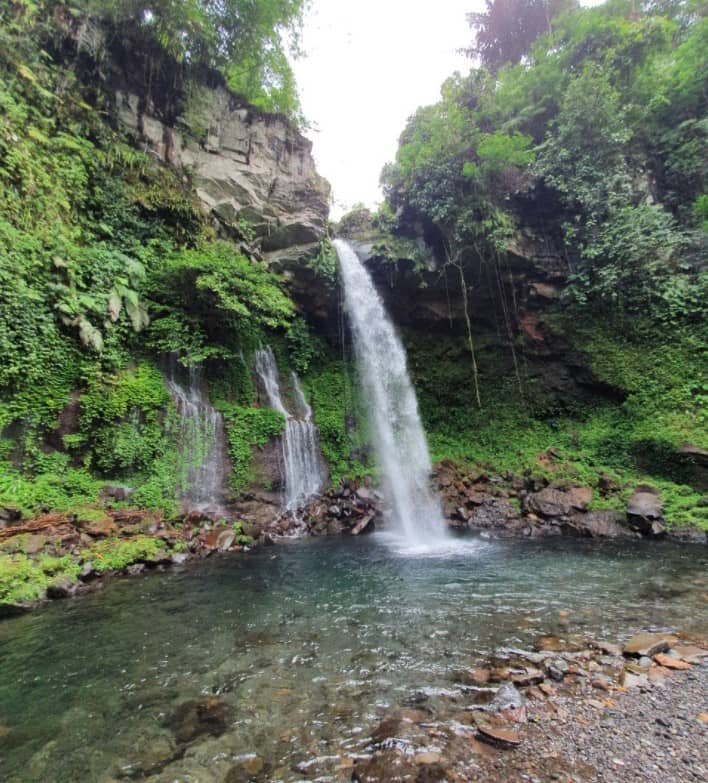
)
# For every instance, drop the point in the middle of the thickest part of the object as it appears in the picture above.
(397, 431)
(304, 471)
(203, 462)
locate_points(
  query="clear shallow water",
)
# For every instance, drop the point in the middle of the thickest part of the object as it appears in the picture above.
(308, 645)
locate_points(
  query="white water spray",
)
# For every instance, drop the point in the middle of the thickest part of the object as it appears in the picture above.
(304, 471)
(398, 434)
(202, 445)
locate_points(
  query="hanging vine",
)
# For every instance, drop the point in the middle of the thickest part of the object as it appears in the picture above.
(457, 263)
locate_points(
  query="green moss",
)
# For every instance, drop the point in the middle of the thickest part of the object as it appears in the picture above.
(338, 413)
(122, 419)
(88, 514)
(56, 490)
(23, 579)
(114, 553)
(621, 443)
(247, 429)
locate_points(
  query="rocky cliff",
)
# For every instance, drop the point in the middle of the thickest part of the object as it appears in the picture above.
(253, 172)
(512, 301)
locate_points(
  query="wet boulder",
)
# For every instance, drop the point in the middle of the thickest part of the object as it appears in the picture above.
(647, 645)
(645, 511)
(61, 588)
(688, 534)
(599, 524)
(551, 503)
(94, 522)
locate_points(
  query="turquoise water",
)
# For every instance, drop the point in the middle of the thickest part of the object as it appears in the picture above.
(306, 646)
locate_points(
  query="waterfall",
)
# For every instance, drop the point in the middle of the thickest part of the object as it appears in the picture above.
(398, 434)
(304, 470)
(202, 445)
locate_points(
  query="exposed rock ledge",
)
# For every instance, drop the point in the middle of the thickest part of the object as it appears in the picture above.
(251, 170)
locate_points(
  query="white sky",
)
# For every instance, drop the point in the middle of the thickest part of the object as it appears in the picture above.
(368, 65)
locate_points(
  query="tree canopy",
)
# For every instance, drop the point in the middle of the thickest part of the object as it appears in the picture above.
(245, 40)
(506, 30)
(603, 125)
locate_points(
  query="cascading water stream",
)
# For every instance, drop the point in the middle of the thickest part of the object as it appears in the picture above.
(202, 443)
(304, 470)
(398, 434)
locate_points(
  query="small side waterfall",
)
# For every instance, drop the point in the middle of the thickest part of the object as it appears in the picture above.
(398, 434)
(304, 471)
(203, 459)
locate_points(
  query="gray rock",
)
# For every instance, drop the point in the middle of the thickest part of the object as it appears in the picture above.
(363, 493)
(117, 492)
(508, 697)
(61, 588)
(551, 502)
(646, 645)
(688, 534)
(225, 539)
(250, 168)
(364, 525)
(557, 669)
(9, 516)
(599, 524)
(644, 511)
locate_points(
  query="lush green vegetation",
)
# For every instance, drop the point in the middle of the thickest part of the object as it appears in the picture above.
(604, 119)
(23, 579)
(594, 442)
(106, 261)
(587, 128)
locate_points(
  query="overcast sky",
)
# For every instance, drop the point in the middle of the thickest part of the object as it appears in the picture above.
(367, 66)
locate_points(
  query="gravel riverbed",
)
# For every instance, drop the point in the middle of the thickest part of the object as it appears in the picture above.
(653, 735)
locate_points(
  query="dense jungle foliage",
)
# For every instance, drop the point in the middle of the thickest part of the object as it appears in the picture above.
(603, 125)
(587, 127)
(107, 263)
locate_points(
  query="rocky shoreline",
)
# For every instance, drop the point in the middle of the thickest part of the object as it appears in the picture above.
(573, 710)
(60, 555)
(570, 710)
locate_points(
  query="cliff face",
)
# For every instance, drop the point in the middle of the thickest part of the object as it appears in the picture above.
(253, 172)
(512, 301)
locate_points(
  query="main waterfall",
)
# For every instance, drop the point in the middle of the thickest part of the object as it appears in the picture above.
(398, 434)
(304, 471)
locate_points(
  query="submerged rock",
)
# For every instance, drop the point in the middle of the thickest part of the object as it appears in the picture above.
(193, 719)
(250, 768)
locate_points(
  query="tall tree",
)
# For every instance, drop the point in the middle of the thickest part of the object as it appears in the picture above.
(506, 30)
